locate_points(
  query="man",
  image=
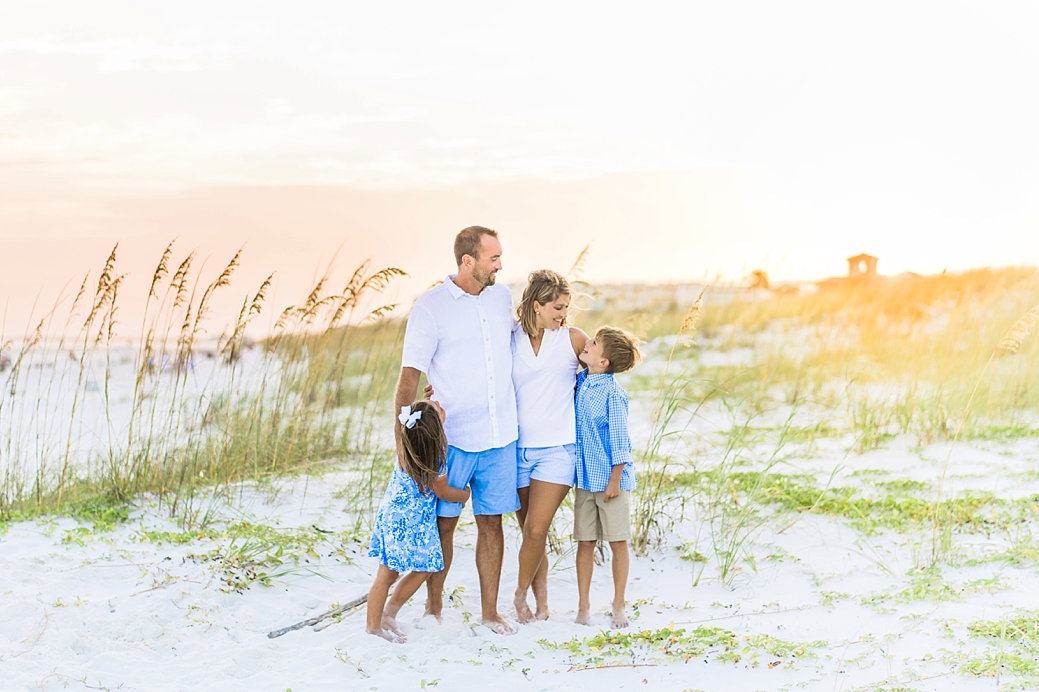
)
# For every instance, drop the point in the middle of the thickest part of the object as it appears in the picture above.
(459, 335)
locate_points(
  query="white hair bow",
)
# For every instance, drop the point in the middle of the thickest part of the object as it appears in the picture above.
(407, 418)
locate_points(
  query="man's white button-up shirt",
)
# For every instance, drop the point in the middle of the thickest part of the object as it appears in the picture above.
(464, 345)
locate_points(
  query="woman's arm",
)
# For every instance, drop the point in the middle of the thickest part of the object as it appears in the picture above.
(448, 493)
(578, 339)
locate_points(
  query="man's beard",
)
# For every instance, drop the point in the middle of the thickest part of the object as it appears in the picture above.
(484, 279)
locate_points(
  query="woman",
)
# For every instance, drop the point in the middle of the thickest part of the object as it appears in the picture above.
(544, 372)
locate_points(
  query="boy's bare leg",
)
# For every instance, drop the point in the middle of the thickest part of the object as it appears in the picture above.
(490, 549)
(435, 582)
(543, 501)
(585, 565)
(621, 562)
(405, 589)
(377, 602)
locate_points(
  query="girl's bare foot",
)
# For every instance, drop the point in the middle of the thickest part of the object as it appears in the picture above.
(620, 618)
(389, 624)
(389, 636)
(523, 613)
(582, 617)
(498, 626)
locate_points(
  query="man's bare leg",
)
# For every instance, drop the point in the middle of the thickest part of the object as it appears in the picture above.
(585, 565)
(543, 501)
(490, 549)
(435, 582)
(621, 561)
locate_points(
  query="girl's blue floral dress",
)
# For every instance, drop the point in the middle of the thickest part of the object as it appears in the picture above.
(405, 538)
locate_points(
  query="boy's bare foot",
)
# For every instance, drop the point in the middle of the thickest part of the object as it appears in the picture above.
(542, 612)
(389, 636)
(523, 613)
(620, 618)
(582, 617)
(498, 625)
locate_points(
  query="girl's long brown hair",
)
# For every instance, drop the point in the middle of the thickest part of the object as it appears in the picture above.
(424, 447)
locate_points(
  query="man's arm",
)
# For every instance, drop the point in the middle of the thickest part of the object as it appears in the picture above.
(407, 389)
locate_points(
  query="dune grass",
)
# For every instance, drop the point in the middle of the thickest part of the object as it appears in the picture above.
(199, 415)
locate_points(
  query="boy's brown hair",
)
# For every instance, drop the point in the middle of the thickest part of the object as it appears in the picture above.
(424, 447)
(619, 346)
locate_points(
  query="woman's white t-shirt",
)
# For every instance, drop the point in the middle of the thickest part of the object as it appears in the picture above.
(544, 388)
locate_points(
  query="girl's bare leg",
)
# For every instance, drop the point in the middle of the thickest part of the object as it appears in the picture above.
(543, 499)
(377, 602)
(403, 592)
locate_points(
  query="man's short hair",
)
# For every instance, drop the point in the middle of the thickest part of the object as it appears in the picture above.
(620, 347)
(468, 241)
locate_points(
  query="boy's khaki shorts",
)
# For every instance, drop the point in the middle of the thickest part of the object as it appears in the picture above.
(595, 520)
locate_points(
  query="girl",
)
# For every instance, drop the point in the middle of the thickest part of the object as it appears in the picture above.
(405, 538)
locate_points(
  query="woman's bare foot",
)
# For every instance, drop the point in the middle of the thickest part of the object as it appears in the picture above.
(583, 617)
(542, 612)
(498, 626)
(389, 636)
(620, 618)
(523, 613)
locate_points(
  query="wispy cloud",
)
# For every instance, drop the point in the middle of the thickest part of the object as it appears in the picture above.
(127, 53)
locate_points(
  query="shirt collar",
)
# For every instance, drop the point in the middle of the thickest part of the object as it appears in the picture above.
(598, 378)
(452, 287)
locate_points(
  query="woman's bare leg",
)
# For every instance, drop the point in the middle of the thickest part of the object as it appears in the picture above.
(543, 499)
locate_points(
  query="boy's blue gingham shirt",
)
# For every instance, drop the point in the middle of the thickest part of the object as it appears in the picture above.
(602, 432)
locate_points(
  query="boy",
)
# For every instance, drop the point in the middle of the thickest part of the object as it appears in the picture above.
(605, 472)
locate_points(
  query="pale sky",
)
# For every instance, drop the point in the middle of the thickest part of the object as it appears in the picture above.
(684, 139)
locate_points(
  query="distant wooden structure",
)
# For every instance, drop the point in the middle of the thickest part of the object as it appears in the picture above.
(862, 266)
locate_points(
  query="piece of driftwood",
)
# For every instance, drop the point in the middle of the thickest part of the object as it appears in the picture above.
(343, 609)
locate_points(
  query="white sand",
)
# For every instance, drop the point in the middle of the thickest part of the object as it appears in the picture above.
(121, 613)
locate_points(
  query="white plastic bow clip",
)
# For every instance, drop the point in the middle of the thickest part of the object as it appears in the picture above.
(407, 418)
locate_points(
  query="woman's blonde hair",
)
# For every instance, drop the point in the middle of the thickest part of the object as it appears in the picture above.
(424, 446)
(543, 286)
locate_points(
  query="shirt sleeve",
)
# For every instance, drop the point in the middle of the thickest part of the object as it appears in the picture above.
(420, 339)
(620, 442)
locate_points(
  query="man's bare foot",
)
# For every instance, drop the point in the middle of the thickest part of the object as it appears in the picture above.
(435, 609)
(498, 625)
(583, 617)
(389, 636)
(542, 612)
(620, 618)
(523, 613)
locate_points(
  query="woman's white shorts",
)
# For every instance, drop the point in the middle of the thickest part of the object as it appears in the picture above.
(547, 464)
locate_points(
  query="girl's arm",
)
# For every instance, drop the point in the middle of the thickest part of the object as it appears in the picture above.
(448, 493)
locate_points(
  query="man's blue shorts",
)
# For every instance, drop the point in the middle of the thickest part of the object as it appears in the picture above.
(490, 474)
